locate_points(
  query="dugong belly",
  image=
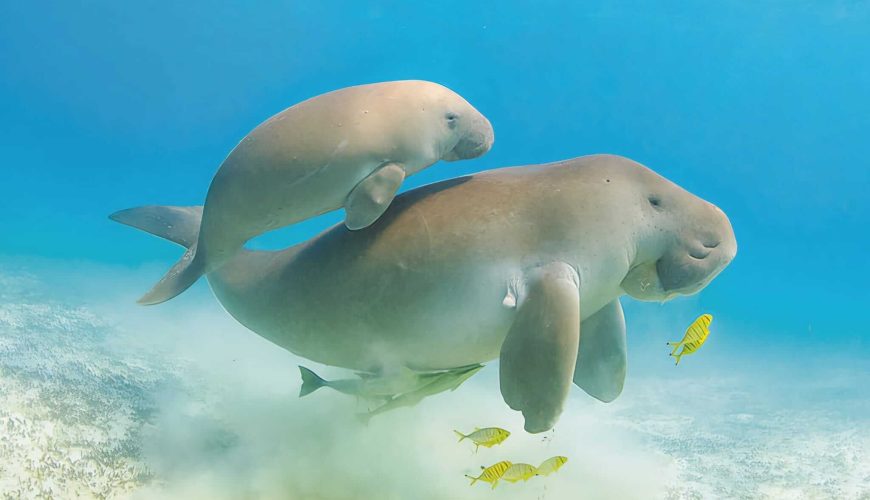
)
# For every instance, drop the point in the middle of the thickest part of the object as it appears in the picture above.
(357, 317)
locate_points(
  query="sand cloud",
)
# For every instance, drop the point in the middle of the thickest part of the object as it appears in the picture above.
(190, 404)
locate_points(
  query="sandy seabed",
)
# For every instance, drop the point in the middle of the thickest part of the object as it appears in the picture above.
(101, 402)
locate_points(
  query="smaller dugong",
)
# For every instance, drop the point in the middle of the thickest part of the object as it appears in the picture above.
(350, 148)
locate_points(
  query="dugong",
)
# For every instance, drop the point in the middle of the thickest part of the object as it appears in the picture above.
(525, 264)
(349, 148)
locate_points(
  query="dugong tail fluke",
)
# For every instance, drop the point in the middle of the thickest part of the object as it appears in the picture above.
(179, 225)
(183, 274)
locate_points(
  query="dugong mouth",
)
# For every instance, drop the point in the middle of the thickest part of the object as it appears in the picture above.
(681, 272)
(682, 260)
(476, 142)
(466, 150)
(642, 283)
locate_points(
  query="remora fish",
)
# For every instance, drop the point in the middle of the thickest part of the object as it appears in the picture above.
(695, 337)
(368, 386)
(438, 382)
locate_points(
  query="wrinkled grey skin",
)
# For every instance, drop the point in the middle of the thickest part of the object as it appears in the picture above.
(520, 263)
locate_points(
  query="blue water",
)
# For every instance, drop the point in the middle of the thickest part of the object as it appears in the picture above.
(763, 108)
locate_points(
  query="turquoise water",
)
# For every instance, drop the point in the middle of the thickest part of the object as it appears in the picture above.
(760, 108)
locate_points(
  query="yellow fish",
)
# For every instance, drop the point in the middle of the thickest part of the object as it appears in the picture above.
(695, 337)
(517, 472)
(487, 438)
(551, 465)
(492, 473)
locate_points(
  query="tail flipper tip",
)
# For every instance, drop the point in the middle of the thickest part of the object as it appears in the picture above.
(143, 301)
(150, 300)
(116, 216)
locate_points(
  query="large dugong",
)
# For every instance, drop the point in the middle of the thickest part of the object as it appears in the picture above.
(526, 264)
(349, 148)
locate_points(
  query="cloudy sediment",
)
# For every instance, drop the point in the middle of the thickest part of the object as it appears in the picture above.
(106, 400)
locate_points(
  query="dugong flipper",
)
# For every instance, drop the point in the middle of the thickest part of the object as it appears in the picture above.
(177, 224)
(371, 197)
(538, 355)
(601, 362)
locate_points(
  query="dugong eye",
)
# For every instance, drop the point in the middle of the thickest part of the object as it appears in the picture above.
(655, 201)
(451, 118)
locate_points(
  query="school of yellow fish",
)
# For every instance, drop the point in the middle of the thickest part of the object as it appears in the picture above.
(694, 338)
(506, 470)
(409, 384)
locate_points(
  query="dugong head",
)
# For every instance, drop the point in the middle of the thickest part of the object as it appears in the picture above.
(470, 129)
(685, 242)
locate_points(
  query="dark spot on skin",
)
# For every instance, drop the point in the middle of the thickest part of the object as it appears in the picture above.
(608, 180)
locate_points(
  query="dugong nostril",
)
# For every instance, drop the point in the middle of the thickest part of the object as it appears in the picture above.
(698, 255)
(711, 245)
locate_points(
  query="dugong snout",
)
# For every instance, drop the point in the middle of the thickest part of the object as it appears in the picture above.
(475, 139)
(703, 250)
